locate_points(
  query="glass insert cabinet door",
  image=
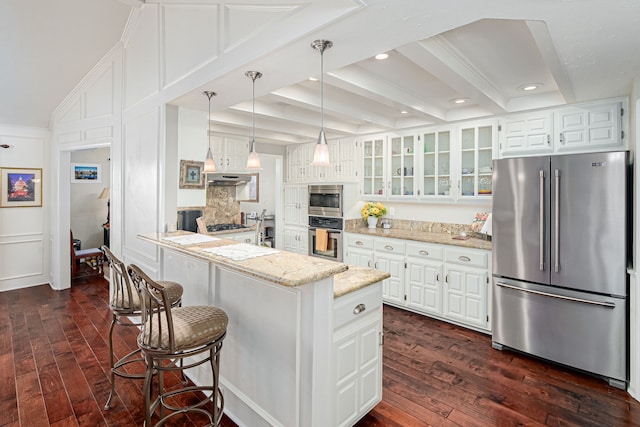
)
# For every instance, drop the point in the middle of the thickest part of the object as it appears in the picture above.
(436, 161)
(403, 165)
(373, 179)
(476, 161)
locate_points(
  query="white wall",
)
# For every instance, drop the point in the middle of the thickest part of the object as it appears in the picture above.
(24, 245)
(88, 213)
(192, 145)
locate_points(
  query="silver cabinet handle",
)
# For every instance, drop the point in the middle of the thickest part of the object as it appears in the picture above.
(359, 243)
(359, 308)
(548, 139)
(464, 258)
(557, 220)
(388, 247)
(423, 252)
(541, 220)
(562, 138)
(369, 263)
(247, 240)
(437, 277)
(546, 294)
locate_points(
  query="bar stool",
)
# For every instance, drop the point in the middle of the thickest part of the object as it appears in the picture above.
(169, 334)
(125, 302)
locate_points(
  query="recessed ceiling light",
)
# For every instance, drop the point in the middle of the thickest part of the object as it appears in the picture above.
(530, 86)
(404, 112)
(459, 100)
(381, 56)
(313, 79)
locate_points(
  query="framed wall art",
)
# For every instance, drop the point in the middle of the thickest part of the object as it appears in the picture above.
(85, 173)
(191, 175)
(253, 189)
(20, 187)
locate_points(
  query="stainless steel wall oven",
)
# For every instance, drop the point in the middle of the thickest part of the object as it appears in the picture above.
(325, 237)
(325, 200)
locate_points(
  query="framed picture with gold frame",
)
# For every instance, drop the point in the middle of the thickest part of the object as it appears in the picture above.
(191, 175)
(21, 187)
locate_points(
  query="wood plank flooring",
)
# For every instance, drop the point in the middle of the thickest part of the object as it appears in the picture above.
(54, 371)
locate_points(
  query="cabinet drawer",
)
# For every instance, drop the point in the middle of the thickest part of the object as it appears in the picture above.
(391, 246)
(467, 257)
(358, 304)
(424, 251)
(359, 241)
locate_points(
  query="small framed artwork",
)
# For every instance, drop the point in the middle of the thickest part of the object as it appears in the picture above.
(21, 187)
(85, 173)
(253, 189)
(191, 175)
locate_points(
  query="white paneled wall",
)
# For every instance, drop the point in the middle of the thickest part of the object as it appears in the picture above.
(23, 231)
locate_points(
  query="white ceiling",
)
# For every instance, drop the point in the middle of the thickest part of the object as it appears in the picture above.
(579, 50)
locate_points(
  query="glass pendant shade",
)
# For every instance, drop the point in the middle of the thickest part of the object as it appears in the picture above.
(321, 152)
(209, 162)
(253, 160)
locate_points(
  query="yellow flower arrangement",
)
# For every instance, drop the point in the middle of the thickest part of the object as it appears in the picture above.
(373, 209)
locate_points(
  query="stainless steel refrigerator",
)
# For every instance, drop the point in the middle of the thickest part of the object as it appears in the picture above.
(560, 258)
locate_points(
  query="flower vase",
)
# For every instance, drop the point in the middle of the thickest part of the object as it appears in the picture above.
(372, 221)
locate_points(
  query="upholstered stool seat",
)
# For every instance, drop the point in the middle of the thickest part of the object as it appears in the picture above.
(169, 334)
(126, 303)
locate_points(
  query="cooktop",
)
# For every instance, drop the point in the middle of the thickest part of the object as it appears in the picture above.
(224, 227)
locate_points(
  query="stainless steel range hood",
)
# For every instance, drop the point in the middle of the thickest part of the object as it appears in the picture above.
(228, 179)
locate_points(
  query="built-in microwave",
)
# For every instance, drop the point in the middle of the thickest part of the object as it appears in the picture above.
(325, 200)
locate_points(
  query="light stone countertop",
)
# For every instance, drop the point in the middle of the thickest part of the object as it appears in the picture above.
(422, 236)
(356, 278)
(283, 268)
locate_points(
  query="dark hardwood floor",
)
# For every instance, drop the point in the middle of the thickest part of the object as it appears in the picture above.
(54, 371)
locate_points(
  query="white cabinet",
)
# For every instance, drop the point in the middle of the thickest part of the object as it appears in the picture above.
(403, 165)
(299, 158)
(229, 153)
(580, 128)
(245, 237)
(526, 134)
(466, 284)
(358, 250)
(357, 354)
(443, 281)
(473, 173)
(389, 257)
(296, 239)
(344, 161)
(424, 275)
(296, 205)
(436, 163)
(373, 174)
(589, 127)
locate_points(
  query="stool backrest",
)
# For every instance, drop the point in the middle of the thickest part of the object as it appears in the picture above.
(124, 297)
(156, 332)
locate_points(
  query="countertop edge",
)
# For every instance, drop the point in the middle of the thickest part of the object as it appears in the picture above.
(328, 269)
(423, 237)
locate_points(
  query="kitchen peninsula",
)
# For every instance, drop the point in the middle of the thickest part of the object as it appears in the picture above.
(303, 345)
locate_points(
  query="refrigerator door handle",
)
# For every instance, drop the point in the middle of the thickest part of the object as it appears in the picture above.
(562, 297)
(556, 238)
(541, 220)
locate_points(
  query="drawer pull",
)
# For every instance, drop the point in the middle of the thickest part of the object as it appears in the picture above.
(359, 243)
(359, 308)
(464, 258)
(423, 252)
(388, 247)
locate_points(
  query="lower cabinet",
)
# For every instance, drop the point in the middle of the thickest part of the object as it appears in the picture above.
(447, 282)
(246, 237)
(296, 239)
(357, 353)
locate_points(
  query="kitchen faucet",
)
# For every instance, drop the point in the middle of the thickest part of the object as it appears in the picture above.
(259, 221)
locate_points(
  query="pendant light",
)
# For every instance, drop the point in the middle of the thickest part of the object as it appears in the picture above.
(253, 161)
(321, 153)
(209, 163)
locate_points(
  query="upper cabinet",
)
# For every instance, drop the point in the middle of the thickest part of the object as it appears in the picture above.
(594, 126)
(451, 163)
(343, 165)
(230, 154)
